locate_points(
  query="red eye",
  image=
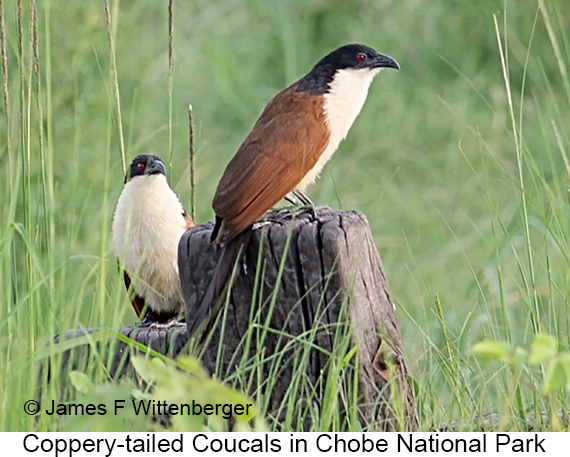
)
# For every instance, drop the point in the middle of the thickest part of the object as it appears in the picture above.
(361, 57)
(140, 166)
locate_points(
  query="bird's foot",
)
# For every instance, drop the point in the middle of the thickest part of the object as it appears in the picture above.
(306, 201)
(172, 323)
(260, 224)
(148, 320)
(291, 199)
(161, 321)
(313, 211)
(298, 198)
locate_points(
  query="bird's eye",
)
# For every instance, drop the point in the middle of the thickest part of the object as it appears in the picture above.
(140, 166)
(361, 57)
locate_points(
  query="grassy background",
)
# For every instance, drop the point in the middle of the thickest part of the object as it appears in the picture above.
(458, 161)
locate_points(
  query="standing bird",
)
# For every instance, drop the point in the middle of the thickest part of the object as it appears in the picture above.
(296, 134)
(148, 223)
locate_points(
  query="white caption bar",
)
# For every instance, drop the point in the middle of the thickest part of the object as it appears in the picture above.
(216, 444)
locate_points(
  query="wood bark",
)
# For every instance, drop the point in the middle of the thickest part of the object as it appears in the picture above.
(310, 277)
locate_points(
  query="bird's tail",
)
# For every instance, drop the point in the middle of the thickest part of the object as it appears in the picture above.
(219, 281)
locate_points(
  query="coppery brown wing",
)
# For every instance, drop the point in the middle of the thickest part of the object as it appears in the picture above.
(136, 301)
(282, 148)
(189, 222)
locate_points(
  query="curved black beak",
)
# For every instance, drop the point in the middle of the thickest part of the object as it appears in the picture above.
(383, 61)
(156, 167)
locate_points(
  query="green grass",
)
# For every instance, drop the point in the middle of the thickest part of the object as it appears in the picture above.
(459, 161)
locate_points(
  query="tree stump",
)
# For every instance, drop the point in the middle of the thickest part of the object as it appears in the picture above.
(308, 317)
(168, 341)
(330, 289)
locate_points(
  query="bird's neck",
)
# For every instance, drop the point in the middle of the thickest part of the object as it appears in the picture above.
(344, 100)
(148, 211)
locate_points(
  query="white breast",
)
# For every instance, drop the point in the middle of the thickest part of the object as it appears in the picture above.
(147, 226)
(343, 103)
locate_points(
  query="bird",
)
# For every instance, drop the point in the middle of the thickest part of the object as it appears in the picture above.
(148, 222)
(295, 136)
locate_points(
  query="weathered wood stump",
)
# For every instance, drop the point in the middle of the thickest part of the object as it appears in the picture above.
(330, 285)
(168, 341)
(309, 307)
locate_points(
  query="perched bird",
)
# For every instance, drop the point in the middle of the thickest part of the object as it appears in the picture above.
(296, 134)
(148, 223)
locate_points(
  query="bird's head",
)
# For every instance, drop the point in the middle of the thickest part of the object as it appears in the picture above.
(356, 59)
(145, 165)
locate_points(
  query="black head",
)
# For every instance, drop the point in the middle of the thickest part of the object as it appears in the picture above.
(356, 56)
(145, 164)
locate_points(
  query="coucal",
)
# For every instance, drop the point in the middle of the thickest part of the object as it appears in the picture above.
(148, 223)
(296, 134)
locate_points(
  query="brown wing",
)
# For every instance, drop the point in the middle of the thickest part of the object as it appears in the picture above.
(136, 301)
(189, 222)
(282, 148)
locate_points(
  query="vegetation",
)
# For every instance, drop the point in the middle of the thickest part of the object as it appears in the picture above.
(459, 161)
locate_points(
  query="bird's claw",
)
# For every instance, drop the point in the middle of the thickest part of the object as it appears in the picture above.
(172, 323)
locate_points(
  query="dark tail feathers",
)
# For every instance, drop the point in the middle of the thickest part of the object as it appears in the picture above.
(219, 281)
